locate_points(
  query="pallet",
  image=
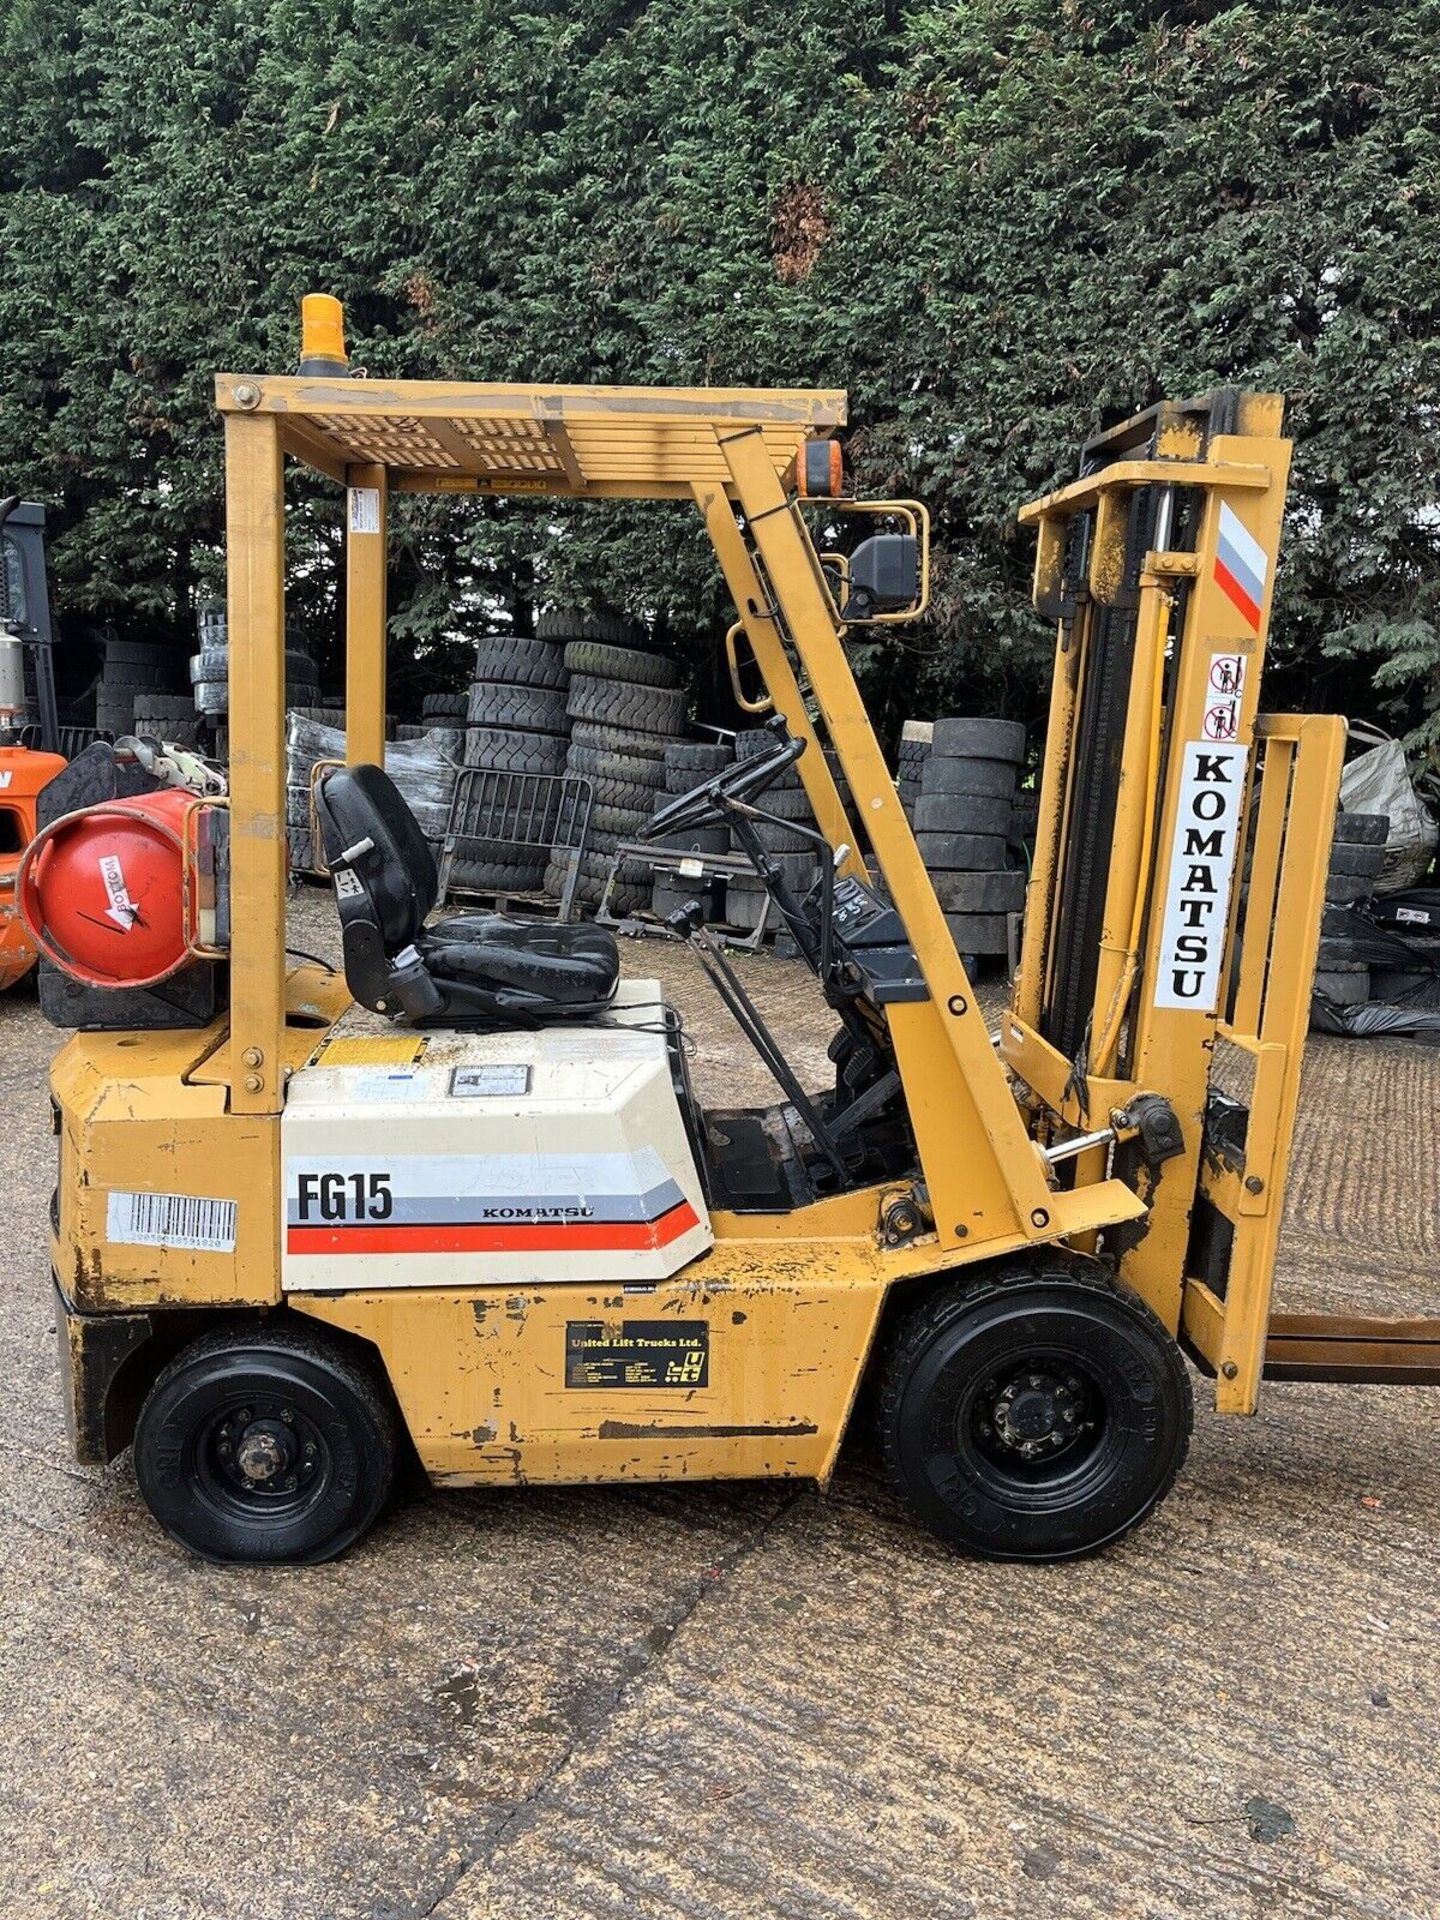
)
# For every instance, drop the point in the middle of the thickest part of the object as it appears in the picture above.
(536, 906)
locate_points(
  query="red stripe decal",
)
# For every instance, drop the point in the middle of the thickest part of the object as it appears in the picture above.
(514, 1236)
(1233, 590)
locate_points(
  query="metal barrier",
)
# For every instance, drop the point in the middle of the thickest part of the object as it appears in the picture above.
(500, 818)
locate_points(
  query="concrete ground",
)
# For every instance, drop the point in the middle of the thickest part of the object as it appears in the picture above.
(752, 1700)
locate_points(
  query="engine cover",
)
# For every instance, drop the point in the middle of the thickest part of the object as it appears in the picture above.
(465, 1159)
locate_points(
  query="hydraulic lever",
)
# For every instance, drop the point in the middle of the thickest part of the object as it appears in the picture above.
(687, 923)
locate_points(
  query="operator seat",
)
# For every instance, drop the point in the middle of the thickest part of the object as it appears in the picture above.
(478, 969)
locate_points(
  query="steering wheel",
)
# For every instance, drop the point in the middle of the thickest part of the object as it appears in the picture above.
(708, 804)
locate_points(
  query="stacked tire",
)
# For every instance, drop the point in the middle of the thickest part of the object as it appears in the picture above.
(516, 724)
(688, 764)
(135, 673)
(796, 856)
(167, 716)
(1357, 852)
(916, 737)
(962, 825)
(625, 707)
(210, 668)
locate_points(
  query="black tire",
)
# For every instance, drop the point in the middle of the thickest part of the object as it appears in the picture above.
(200, 1496)
(960, 1423)
(1362, 829)
(962, 813)
(979, 740)
(179, 732)
(597, 661)
(322, 716)
(139, 653)
(622, 740)
(499, 876)
(213, 663)
(1348, 889)
(1340, 954)
(620, 704)
(962, 852)
(693, 839)
(787, 803)
(698, 757)
(166, 707)
(501, 750)
(987, 779)
(1347, 988)
(751, 742)
(1351, 858)
(605, 765)
(666, 899)
(527, 709)
(980, 893)
(981, 933)
(610, 629)
(211, 696)
(302, 850)
(797, 870)
(623, 821)
(444, 706)
(519, 662)
(633, 795)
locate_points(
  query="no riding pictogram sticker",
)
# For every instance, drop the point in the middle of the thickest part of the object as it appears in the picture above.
(1227, 682)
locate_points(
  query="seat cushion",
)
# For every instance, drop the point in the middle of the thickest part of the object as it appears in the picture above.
(562, 966)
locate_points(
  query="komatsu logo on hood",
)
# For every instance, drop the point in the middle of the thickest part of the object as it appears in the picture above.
(537, 1211)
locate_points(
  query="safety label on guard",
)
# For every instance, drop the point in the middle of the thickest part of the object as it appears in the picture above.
(640, 1353)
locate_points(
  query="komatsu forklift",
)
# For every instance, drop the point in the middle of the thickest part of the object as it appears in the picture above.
(463, 1192)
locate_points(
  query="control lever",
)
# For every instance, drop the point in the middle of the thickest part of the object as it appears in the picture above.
(687, 923)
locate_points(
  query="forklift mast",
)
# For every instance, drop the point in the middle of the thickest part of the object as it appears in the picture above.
(1177, 889)
(25, 611)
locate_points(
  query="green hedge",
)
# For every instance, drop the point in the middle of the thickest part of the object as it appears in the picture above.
(988, 220)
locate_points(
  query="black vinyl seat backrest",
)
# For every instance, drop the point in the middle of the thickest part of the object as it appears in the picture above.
(363, 816)
(385, 883)
(475, 970)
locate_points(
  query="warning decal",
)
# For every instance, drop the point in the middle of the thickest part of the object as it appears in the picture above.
(640, 1353)
(1202, 870)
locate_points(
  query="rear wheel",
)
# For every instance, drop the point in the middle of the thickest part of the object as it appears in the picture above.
(1037, 1413)
(263, 1446)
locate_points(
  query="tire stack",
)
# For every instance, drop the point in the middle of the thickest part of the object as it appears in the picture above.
(210, 669)
(1357, 852)
(796, 857)
(915, 741)
(625, 708)
(517, 724)
(167, 716)
(688, 764)
(962, 821)
(135, 673)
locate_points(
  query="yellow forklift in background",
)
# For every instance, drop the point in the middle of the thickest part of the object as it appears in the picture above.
(501, 1224)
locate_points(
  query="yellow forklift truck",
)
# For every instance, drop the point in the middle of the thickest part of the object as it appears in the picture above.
(491, 1215)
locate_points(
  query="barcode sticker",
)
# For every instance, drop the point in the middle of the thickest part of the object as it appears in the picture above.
(171, 1220)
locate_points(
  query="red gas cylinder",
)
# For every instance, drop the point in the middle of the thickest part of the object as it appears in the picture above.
(104, 894)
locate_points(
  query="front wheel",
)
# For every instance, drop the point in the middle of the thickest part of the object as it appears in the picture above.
(263, 1446)
(1035, 1413)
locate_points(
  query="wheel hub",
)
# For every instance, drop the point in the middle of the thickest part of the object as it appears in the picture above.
(265, 1452)
(1038, 1413)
